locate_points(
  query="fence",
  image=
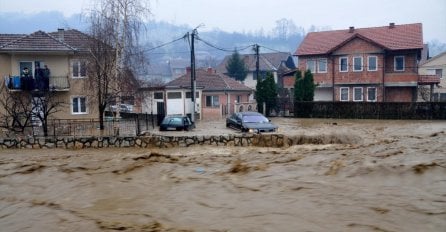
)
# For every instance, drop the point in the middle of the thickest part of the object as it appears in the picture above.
(127, 125)
(371, 110)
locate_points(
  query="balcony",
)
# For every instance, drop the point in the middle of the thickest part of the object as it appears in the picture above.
(428, 79)
(56, 83)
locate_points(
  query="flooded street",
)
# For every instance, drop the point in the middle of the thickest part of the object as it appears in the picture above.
(381, 176)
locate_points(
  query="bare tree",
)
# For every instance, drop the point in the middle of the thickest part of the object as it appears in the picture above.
(17, 110)
(44, 104)
(115, 52)
(22, 108)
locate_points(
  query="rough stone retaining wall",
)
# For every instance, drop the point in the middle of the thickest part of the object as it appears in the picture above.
(159, 141)
(271, 140)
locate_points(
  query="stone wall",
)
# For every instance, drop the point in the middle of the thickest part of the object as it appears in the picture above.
(159, 141)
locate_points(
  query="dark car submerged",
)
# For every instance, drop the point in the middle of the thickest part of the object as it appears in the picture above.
(176, 123)
(252, 122)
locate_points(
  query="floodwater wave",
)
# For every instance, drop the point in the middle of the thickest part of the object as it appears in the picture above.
(343, 175)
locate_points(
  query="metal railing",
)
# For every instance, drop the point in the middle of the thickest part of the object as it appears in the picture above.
(56, 83)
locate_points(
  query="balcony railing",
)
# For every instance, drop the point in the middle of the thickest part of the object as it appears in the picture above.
(56, 83)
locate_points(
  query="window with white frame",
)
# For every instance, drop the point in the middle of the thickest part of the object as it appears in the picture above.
(344, 93)
(357, 64)
(371, 94)
(399, 63)
(357, 94)
(212, 101)
(79, 68)
(78, 105)
(372, 63)
(343, 64)
(174, 95)
(311, 65)
(322, 65)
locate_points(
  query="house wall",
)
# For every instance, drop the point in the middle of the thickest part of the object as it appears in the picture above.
(60, 66)
(227, 103)
(430, 67)
(251, 83)
(385, 75)
(400, 94)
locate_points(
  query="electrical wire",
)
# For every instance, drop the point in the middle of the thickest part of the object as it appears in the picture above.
(165, 44)
(224, 49)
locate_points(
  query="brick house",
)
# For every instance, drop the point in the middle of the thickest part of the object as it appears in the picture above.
(217, 95)
(64, 52)
(365, 64)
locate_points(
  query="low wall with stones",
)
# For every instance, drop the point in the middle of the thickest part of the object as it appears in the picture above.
(271, 140)
(159, 141)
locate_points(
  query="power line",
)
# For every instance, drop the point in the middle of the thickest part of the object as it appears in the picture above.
(165, 44)
(224, 49)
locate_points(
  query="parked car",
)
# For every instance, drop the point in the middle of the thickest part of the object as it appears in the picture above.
(126, 108)
(252, 122)
(176, 123)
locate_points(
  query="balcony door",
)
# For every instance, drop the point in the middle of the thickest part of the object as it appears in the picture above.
(26, 64)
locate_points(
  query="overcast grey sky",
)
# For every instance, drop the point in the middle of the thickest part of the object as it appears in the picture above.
(252, 15)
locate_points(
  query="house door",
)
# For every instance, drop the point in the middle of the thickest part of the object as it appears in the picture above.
(160, 112)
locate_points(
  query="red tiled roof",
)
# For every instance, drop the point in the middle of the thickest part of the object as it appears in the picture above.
(73, 40)
(209, 81)
(37, 41)
(428, 79)
(398, 37)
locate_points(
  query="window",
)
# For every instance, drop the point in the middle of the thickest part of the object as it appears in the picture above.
(371, 94)
(158, 95)
(197, 95)
(239, 99)
(344, 94)
(439, 72)
(357, 64)
(311, 65)
(174, 95)
(79, 105)
(79, 68)
(399, 63)
(357, 94)
(322, 65)
(343, 64)
(372, 63)
(212, 101)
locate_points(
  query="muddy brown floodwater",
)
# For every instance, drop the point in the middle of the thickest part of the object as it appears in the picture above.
(381, 176)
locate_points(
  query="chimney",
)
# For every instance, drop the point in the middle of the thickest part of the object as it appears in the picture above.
(60, 33)
(210, 70)
(351, 29)
(391, 25)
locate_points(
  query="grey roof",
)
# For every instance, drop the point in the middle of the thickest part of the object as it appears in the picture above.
(267, 61)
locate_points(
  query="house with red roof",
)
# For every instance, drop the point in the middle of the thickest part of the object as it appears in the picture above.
(365, 64)
(64, 52)
(217, 95)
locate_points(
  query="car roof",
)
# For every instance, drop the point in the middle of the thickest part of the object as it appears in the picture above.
(245, 113)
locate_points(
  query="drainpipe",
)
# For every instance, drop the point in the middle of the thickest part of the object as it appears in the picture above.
(333, 77)
(384, 73)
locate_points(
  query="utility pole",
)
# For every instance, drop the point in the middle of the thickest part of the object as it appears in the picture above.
(256, 48)
(192, 74)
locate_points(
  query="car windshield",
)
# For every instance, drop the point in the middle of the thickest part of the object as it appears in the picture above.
(255, 119)
(173, 121)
